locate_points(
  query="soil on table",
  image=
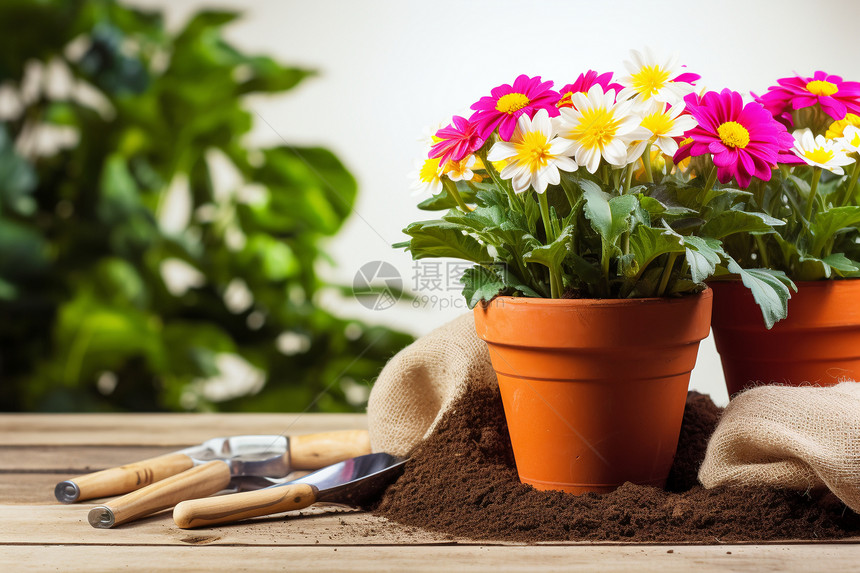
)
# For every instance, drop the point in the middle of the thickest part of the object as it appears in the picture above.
(462, 481)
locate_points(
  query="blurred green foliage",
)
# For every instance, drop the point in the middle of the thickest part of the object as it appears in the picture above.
(87, 320)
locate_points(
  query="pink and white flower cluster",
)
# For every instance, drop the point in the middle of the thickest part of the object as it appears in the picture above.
(530, 132)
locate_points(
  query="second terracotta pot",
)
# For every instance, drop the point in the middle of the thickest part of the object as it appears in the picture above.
(593, 390)
(819, 342)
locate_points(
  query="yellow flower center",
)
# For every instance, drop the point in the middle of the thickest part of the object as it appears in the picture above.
(658, 123)
(819, 155)
(821, 88)
(649, 80)
(837, 128)
(512, 102)
(566, 100)
(430, 170)
(734, 134)
(686, 141)
(596, 128)
(533, 151)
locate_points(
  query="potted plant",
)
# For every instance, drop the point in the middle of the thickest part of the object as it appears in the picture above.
(587, 284)
(812, 203)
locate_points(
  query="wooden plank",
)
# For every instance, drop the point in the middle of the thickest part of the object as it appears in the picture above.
(67, 524)
(332, 525)
(29, 488)
(176, 430)
(465, 559)
(73, 460)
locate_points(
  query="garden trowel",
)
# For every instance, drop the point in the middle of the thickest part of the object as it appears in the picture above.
(245, 462)
(349, 482)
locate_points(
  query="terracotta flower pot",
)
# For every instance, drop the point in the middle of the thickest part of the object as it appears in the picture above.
(593, 390)
(819, 342)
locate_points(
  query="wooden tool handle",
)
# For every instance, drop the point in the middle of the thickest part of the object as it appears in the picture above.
(233, 507)
(115, 481)
(201, 481)
(315, 451)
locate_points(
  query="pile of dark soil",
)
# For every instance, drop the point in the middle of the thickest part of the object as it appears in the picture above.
(462, 481)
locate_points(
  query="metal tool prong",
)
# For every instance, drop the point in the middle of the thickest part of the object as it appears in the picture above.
(101, 517)
(67, 492)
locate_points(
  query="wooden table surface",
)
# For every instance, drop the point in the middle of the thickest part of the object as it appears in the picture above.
(37, 533)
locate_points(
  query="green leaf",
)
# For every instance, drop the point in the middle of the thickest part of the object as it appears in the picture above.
(703, 255)
(841, 263)
(433, 239)
(648, 243)
(769, 288)
(730, 222)
(553, 254)
(444, 200)
(119, 193)
(829, 223)
(657, 209)
(480, 284)
(266, 75)
(610, 217)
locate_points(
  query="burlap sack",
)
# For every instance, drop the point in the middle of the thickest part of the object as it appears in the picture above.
(790, 438)
(419, 384)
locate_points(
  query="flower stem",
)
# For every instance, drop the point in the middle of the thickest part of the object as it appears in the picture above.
(667, 272)
(544, 213)
(762, 251)
(451, 187)
(849, 194)
(711, 180)
(646, 160)
(554, 279)
(497, 178)
(813, 192)
(628, 179)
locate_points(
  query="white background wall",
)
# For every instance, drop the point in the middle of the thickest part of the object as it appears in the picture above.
(389, 68)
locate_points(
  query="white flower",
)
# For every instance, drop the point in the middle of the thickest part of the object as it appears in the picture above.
(461, 170)
(820, 152)
(597, 126)
(427, 177)
(534, 154)
(652, 78)
(660, 126)
(850, 140)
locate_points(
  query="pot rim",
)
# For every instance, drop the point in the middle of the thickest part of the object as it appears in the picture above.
(610, 302)
(800, 284)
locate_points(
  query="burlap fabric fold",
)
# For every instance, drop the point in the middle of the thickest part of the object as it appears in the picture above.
(790, 438)
(419, 384)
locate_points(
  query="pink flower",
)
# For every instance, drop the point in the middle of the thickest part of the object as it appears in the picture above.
(835, 96)
(507, 103)
(458, 140)
(585, 81)
(745, 141)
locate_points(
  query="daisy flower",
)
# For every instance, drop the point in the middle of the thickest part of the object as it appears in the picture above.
(461, 170)
(836, 97)
(456, 141)
(661, 126)
(534, 154)
(598, 126)
(744, 140)
(837, 128)
(820, 152)
(850, 139)
(583, 83)
(427, 177)
(650, 77)
(506, 103)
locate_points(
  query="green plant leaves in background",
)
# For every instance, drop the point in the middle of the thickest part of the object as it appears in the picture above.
(128, 279)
